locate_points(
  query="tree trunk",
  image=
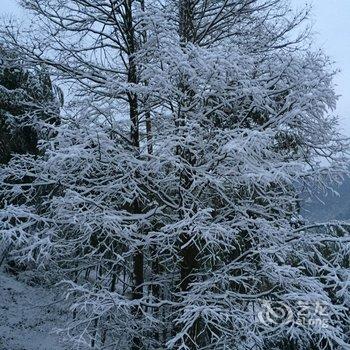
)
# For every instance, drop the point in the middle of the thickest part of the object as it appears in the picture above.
(138, 259)
(189, 250)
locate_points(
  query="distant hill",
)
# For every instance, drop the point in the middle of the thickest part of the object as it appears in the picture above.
(334, 207)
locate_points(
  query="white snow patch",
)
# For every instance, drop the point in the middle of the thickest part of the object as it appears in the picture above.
(29, 316)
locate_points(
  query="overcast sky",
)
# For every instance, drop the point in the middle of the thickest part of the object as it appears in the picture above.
(331, 20)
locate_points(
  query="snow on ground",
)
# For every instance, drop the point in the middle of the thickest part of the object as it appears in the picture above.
(28, 316)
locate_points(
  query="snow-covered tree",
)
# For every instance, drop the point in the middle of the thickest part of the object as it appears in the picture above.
(29, 102)
(173, 213)
(26, 98)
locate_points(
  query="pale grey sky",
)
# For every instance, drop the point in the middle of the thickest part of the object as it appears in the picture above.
(331, 20)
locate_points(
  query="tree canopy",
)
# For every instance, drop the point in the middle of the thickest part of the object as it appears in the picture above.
(173, 210)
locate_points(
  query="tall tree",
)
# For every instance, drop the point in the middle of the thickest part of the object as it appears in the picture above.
(176, 211)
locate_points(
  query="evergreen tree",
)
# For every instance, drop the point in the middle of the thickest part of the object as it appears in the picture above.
(26, 98)
(29, 107)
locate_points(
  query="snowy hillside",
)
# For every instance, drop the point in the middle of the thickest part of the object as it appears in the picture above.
(28, 317)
